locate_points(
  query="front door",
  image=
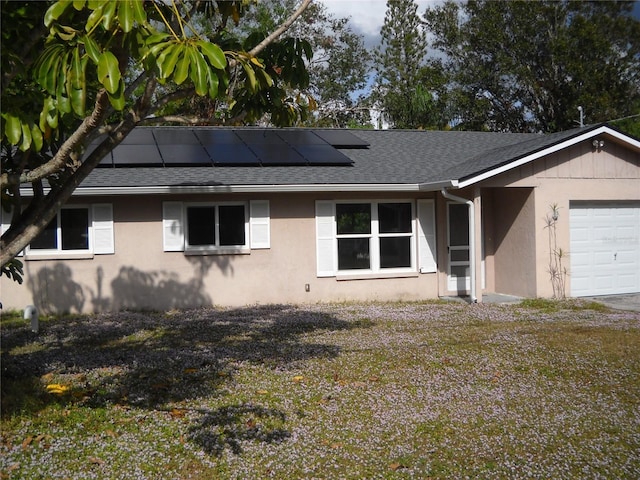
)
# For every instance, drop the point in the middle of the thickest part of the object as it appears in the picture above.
(458, 274)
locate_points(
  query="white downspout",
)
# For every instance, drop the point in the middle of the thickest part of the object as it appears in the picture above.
(472, 239)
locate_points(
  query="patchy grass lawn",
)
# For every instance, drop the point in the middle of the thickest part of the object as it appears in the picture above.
(428, 390)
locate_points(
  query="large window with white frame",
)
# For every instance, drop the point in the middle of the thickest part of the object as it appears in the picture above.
(375, 236)
(216, 226)
(213, 228)
(69, 230)
(384, 237)
(76, 229)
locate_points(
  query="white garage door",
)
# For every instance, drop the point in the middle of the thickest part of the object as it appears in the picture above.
(605, 249)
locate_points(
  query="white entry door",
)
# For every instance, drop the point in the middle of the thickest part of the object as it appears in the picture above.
(604, 249)
(458, 278)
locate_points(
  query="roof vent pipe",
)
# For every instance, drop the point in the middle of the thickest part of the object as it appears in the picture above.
(472, 240)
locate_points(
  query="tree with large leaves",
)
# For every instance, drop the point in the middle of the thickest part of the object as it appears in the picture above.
(78, 71)
(527, 66)
(339, 67)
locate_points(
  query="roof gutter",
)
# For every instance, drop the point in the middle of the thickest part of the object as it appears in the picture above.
(472, 241)
(198, 189)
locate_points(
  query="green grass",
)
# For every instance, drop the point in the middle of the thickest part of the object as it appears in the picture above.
(399, 390)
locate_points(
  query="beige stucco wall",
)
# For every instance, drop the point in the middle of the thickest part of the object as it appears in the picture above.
(579, 173)
(510, 248)
(140, 275)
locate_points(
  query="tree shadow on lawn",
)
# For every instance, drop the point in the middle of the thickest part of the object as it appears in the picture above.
(153, 360)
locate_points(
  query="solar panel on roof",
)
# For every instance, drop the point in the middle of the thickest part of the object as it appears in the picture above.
(232, 154)
(130, 155)
(139, 136)
(323, 155)
(217, 137)
(260, 137)
(300, 137)
(273, 154)
(185, 155)
(179, 136)
(341, 139)
(107, 160)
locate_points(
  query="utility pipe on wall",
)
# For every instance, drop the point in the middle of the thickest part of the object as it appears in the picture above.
(472, 239)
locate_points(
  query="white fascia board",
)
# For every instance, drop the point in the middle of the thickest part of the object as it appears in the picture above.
(547, 151)
(169, 189)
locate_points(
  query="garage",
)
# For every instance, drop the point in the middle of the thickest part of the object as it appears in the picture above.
(604, 248)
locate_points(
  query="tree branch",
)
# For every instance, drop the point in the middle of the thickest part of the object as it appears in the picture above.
(280, 30)
(62, 155)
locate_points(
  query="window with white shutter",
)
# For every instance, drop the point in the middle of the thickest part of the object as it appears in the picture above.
(215, 228)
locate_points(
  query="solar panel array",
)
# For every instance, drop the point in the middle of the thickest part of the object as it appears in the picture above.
(167, 147)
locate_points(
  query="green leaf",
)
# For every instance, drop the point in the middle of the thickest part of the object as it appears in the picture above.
(79, 4)
(108, 14)
(91, 47)
(117, 98)
(46, 66)
(139, 13)
(109, 71)
(251, 82)
(169, 58)
(12, 129)
(156, 38)
(265, 77)
(54, 11)
(214, 53)
(199, 71)
(78, 101)
(214, 82)
(182, 68)
(36, 138)
(26, 137)
(77, 70)
(125, 15)
(94, 17)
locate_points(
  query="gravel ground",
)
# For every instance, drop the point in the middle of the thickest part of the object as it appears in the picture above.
(325, 391)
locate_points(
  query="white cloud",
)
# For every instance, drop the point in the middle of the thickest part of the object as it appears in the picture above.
(367, 16)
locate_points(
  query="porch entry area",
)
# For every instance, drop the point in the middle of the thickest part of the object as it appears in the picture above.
(458, 259)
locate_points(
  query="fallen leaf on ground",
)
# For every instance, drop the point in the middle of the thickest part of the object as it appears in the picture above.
(26, 442)
(57, 389)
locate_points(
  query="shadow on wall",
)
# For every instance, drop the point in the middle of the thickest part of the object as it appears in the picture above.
(55, 291)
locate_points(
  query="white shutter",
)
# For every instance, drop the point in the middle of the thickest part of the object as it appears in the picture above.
(172, 227)
(427, 236)
(326, 238)
(259, 224)
(102, 223)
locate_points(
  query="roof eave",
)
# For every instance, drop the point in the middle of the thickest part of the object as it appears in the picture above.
(518, 162)
(217, 189)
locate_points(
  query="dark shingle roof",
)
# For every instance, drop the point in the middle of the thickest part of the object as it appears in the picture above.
(392, 157)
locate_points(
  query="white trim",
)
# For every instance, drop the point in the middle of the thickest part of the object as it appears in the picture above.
(547, 151)
(297, 188)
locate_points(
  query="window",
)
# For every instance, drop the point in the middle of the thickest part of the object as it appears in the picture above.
(215, 228)
(375, 237)
(77, 229)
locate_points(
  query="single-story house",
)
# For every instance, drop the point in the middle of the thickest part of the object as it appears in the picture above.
(180, 217)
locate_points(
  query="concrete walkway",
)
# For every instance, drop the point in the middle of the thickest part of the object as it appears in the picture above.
(630, 301)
